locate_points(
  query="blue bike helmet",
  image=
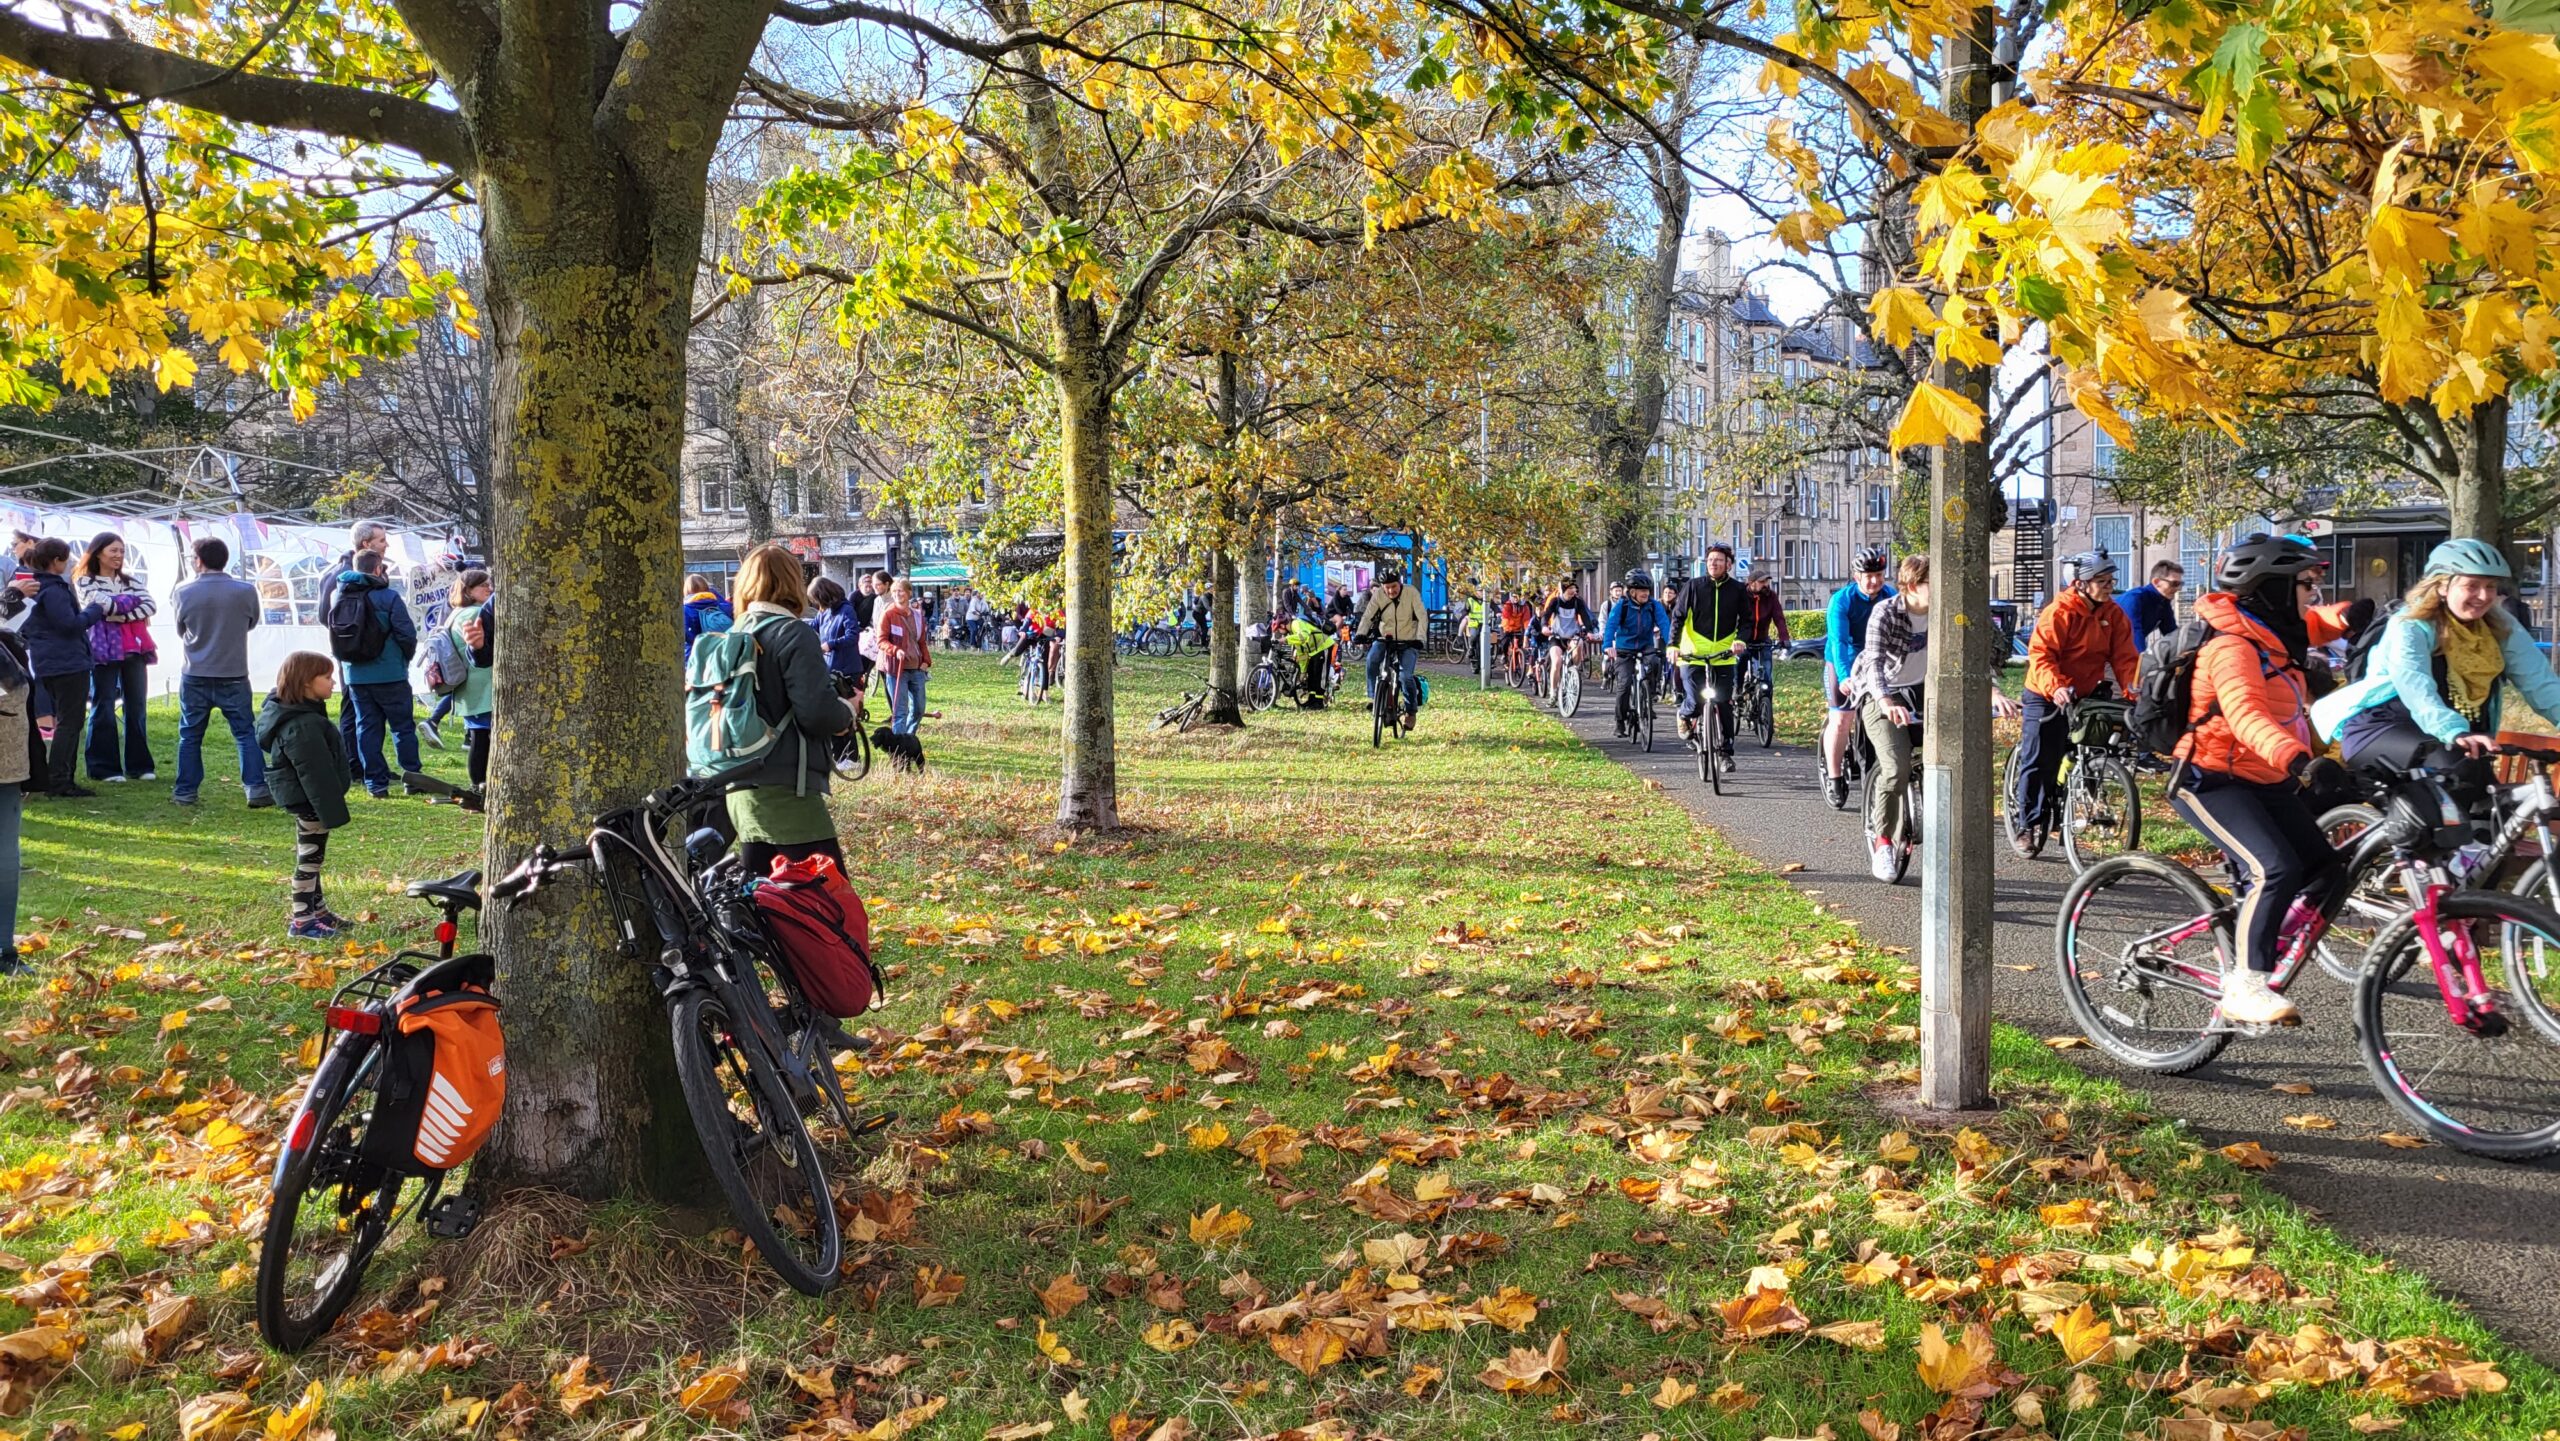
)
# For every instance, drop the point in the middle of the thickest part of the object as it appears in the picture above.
(2469, 557)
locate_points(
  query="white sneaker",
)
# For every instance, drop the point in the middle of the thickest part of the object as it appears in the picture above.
(1880, 859)
(2247, 1000)
(148, 776)
(113, 780)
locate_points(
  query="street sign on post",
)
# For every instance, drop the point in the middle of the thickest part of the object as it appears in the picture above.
(1956, 836)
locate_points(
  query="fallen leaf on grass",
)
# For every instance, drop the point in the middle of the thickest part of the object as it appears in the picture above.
(1021, 1431)
(2066, 1043)
(1512, 1309)
(1218, 1225)
(2249, 1156)
(1857, 1335)
(1061, 1295)
(1171, 1336)
(936, 1286)
(1528, 1372)
(1310, 1349)
(897, 1424)
(2366, 1423)
(703, 1395)
(1420, 1380)
(579, 1385)
(1969, 1367)
(2084, 1335)
(1673, 1393)
(1053, 1348)
(1082, 1163)
(215, 1416)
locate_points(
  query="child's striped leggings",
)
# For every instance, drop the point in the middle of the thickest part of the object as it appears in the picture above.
(310, 847)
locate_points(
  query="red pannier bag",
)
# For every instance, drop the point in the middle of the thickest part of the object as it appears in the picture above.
(822, 933)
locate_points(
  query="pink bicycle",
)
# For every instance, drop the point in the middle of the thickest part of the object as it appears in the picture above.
(2465, 1045)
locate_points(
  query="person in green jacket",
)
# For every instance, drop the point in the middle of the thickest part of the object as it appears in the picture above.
(475, 633)
(784, 813)
(308, 776)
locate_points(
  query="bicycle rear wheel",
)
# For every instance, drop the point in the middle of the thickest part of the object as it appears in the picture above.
(2101, 810)
(2139, 947)
(1159, 642)
(2492, 1087)
(757, 1146)
(329, 1212)
(1764, 718)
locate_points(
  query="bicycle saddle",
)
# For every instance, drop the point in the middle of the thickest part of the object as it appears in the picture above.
(458, 890)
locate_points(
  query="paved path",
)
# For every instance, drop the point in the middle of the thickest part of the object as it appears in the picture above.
(2485, 1233)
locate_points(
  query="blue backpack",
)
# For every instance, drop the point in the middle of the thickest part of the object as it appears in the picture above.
(725, 732)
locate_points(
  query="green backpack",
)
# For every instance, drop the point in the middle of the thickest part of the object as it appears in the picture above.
(725, 733)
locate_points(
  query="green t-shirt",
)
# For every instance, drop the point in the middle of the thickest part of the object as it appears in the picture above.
(474, 700)
(773, 815)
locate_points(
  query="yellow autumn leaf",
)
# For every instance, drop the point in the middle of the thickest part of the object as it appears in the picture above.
(2084, 1335)
(1050, 1346)
(1899, 313)
(1933, 416)
(1949, 196)
(1673, 1393)
(1207, 1138)
(1218, 1225)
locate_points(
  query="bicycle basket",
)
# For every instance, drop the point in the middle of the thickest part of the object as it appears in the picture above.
(2098, 722)
(444, 1071)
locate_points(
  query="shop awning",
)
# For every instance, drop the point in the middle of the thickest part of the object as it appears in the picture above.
(939, 572)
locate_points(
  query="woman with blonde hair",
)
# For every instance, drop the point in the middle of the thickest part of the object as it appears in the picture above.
(783, 814)
(2433, 683)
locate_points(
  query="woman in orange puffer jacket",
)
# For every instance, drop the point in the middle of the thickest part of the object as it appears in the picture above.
(2250, 751)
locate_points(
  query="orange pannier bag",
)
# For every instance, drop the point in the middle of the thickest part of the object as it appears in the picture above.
(444, 1081)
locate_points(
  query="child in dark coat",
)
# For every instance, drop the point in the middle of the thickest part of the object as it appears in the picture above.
(308, 775)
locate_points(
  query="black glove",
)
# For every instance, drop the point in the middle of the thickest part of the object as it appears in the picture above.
(2320, 775)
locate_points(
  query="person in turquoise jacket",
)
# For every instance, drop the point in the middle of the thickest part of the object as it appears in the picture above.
(2432, 685)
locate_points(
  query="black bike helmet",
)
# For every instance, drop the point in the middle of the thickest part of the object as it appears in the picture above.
(1639, 580)
(1871, 561)
(2263, 557)
(1389, 575)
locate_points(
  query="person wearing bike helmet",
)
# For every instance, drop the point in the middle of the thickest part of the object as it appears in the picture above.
(1706, 627)
(1888, 682)
(1842, 639)
(2431, 691)
(2079, 641)
(1394, 622)
(2250, 762)
(1633, 625)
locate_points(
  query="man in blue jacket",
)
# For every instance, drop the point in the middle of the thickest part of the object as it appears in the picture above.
(2153, 608)
(1843, 636)
(380, 682)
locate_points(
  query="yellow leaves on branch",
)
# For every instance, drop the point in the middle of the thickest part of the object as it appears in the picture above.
(1933, 416)
(1900, 313)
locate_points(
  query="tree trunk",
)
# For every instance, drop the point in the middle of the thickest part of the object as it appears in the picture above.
(1088, 783)
(1226, 670)
(587, 407)
(1252, 561)
(2477, 494)
(1957, 773)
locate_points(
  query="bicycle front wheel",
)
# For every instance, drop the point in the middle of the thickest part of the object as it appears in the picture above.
(757, 1146)
(1644, 723)
(1159, 642)
(1381, 706)
(2027, 841)
(1711, 747)
(1261, 691)
(2101, 810)
(2139, 946)
(1569, 691)
(2489, 1085)
(329, 1212)
(1764, 720)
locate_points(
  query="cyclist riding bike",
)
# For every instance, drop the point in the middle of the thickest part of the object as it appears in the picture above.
(1635, 625)
(1568, 621)
(1394, 622)
(1893, 664)
(2080, 640)
(2249, 754)
(1706, 628)
(1516, 615)
(1764, 621)
(1845, 635)
(1038, 627)
(2430, 695)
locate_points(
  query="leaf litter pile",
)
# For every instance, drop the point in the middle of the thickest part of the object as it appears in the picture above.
(1309, 1111)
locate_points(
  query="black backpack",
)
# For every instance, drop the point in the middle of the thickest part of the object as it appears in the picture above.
(2360, 650)
(2168, 689)
(356, 632)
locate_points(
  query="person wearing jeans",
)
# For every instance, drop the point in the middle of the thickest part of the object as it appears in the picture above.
(57, 636)
(381, 681)
(216, 612)
(120, 656)
(899, 646)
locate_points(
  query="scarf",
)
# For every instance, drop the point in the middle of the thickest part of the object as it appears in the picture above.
(2274, 605)
(2473, 661)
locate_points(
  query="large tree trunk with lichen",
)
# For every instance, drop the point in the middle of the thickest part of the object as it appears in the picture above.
(1088, 775)
(589, 284)
(1226, 674)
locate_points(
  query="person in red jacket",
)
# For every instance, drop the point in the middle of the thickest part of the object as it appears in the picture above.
(2080, 640)
(2250, 753)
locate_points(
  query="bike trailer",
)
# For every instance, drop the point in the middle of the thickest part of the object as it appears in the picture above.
(444, 1071)
(821, 932)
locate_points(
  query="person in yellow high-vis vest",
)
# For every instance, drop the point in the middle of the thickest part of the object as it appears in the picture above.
(1706, 635)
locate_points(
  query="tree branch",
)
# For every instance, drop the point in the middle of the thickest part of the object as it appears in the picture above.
(457, 36)
(371, 117)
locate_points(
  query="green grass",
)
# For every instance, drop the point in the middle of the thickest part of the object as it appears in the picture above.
(1486, 959)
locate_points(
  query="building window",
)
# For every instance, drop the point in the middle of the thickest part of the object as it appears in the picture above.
(2102, 454)
(715, 494)
(1879, 503)
(2114, 537)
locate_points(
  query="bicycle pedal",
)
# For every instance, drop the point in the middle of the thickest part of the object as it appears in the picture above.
(874, 1122)
(453, 1217)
